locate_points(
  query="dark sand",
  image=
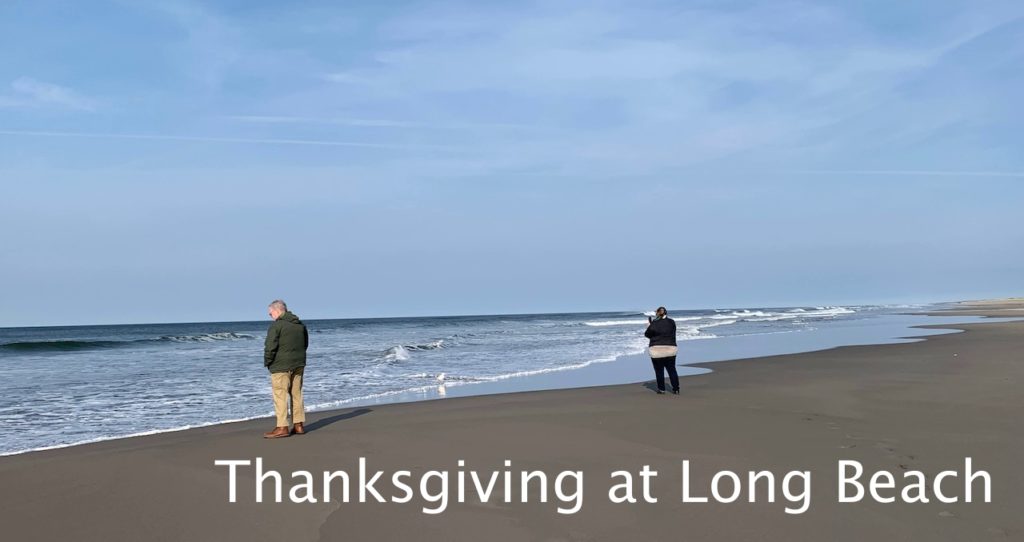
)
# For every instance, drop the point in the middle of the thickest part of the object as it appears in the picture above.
(923, 405)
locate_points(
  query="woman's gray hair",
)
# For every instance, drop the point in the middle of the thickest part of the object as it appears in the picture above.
(279, 305)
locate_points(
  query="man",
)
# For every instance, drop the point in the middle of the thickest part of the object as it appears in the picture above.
(284, 355)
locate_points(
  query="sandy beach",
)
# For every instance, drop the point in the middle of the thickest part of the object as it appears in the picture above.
(917, 406)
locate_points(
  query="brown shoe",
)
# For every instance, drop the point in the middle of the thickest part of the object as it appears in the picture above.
(278, 432)
(298, 429)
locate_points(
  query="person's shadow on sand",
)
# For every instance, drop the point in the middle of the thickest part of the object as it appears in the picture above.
(652, 385)
(324, 422)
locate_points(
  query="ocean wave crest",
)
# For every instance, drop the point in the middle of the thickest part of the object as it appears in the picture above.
(75, 345)
(433, 345)
(207, 337)
(603, 323)
(717, 323)
(60, 346)
(395, 353)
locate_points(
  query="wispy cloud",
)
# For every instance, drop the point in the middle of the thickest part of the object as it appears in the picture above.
(342, 77)
(587, 89)
(205, 139)
(369, 123)
(28, 92)
(909, 172)
(211, 43)
(633, 87)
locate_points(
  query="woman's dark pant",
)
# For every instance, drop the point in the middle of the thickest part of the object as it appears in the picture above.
(662, 364)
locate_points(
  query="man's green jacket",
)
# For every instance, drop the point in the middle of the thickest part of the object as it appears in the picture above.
(287, 340)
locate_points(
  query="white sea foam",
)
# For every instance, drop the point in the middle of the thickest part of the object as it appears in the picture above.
(830, 311)
(692, 333)
(560, 368)
(458, 381)
(396, 353)
(717, 323)
(368, 397)
(353, 363)
(774, 318)
(208, 337)
(131, 435)
(737, 314)
(433, 345)
(604, 323)
(771, 316)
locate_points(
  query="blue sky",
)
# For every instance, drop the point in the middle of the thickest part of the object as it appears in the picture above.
(178, 161)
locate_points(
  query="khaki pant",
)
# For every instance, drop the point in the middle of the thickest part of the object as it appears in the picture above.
(284, 385)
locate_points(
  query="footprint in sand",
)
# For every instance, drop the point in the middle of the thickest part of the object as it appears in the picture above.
(885, 447)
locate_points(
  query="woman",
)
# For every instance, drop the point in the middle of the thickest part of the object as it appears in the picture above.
(661, 330)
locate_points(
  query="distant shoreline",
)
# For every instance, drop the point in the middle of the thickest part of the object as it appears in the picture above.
(923, 405)
(481, 315)
(620, 369)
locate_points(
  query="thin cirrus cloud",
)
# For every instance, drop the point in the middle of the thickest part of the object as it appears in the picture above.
(370, 123)
(585, 88)
(281, 119)
(213, 139)
(911, 172)
(528, 132)
(29, 92)
(636, 87)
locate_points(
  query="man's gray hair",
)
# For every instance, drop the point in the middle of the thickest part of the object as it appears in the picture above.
(279, 305)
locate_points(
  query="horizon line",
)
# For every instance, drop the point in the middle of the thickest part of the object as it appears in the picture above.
(482, 315)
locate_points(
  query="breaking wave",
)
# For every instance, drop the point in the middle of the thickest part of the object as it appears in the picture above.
(403, 352)
(80, 345)
(207, 337)
(604, 323)
(61, 346)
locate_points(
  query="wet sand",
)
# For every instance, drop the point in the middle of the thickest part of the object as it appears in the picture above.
(916, 406)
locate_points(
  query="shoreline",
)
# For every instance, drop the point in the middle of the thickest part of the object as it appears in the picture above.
(622, 369)
(922, 405)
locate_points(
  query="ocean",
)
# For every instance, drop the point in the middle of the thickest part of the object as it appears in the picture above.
(70, 385)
